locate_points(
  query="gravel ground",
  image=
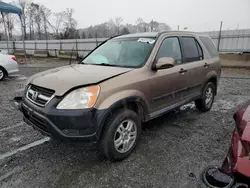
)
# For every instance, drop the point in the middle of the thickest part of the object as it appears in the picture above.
(173, 150)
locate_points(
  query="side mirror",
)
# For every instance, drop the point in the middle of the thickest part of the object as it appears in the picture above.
(164, 63)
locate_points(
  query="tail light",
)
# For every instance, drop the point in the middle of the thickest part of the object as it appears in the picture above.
(14, 58)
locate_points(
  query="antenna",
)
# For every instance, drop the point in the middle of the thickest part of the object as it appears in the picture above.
(71, 55)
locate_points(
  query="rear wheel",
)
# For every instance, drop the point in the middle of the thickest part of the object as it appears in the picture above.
(2, 73)
(121, 135)
(205, 103)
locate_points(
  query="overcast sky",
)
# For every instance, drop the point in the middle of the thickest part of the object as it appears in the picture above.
(197, 15)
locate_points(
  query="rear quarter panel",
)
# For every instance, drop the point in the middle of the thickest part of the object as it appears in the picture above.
(3, 60)
(7, 63)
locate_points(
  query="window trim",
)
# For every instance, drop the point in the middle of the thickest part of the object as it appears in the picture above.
(196, 41)
(182, 55)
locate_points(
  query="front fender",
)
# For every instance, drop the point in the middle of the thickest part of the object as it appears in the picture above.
(135, 95)
(117, 100)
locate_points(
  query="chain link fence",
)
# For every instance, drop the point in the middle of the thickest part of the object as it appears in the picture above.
(230, 41)
(233, 41)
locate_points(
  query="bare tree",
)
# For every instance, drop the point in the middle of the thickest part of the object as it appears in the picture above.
(23, 4)
(70, 22)
(138, 21)
(118, 21)
(38, 19)
(45, 13)
(110, 28)
(141, 26)
(1, 29)
(10, 24)
(163, 27)
(83, 35)
(124, 31)
(31, 11)
(57, 22)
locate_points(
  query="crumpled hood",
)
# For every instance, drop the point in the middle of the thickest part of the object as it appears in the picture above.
(64, 78)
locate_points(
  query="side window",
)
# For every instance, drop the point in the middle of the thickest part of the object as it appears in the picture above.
(201, 56)
(170, 47)
(190, 49)
(209, 46)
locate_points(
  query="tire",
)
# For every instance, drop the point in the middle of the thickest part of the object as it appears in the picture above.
(2, 73)
(203, 104)
(211, 183)
(118, 123)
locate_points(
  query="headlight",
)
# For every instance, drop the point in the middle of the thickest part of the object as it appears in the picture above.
(80, 98)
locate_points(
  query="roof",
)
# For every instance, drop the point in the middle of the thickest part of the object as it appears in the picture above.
(5, 7)
(155, 34)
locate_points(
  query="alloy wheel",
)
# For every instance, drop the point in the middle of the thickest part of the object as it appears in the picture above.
(125, 136)
(209, 95)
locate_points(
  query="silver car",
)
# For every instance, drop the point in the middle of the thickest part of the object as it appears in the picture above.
(8, 65)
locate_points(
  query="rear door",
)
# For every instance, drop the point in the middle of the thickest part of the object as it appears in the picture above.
(211, 55)
(168, 86)
(195, 64)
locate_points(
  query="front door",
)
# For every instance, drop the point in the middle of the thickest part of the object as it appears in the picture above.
(195, 64)
(168, 86)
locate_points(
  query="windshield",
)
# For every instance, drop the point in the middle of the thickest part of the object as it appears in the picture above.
(130, 52)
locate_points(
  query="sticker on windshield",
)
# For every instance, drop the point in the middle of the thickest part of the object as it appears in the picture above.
(147, 40)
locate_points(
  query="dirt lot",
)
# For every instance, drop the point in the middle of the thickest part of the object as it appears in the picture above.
(173, 150)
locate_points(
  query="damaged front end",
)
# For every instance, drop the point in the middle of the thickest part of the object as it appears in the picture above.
(236, 166)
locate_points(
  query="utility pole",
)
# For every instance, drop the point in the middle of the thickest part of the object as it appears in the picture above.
(218, 47)
(178, 27)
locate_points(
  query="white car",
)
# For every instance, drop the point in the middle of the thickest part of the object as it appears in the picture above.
(8, 65)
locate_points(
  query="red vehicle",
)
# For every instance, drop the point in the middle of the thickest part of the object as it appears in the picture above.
(235, 170)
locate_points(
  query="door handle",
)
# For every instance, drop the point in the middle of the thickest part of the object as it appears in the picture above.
(182, 71)
(206, 65)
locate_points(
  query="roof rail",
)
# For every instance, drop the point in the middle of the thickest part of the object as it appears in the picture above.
(169, 31)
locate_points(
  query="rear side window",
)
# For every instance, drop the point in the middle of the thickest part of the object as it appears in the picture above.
(192, 49)
(209, 46)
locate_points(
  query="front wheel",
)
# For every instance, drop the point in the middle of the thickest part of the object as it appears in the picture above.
(205, 103)
(121, 135)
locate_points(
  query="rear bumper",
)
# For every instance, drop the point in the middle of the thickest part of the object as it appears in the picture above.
(12, 72)
(11, 67)
(83, 125)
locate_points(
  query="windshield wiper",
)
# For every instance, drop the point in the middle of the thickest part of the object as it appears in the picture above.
(106, 64)
(101, 64)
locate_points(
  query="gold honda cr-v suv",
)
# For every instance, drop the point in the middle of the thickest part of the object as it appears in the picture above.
(125, 81)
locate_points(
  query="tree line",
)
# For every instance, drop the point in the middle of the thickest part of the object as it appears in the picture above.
(40, 23)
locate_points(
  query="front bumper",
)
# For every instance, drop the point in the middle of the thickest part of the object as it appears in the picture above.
(238, 159)
(85, 125)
